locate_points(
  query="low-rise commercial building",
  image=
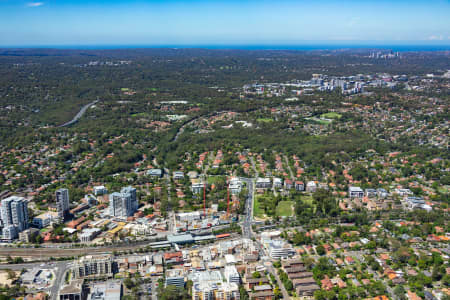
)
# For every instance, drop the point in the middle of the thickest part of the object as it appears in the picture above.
(278, 249)
(73, 291)
(213, 291)
(175, 277)
(232, 275)
(45, 219)
(27, 235)
(89, 234)
(109, 290)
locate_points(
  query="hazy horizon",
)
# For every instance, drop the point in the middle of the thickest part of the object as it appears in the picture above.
(304, 47)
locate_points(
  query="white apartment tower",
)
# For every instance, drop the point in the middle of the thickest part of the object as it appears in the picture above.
(14, 214)
(62, 203)
(132, 192)
(120, 205)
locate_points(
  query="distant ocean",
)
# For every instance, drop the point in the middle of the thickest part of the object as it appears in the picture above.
(399, 48)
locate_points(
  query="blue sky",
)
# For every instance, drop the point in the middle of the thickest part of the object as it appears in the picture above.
(172, 22)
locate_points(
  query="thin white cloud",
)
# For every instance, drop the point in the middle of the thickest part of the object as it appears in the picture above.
(435, 38)
(35, 4)
(353, 21)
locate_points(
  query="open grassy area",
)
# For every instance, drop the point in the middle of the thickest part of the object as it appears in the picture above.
(264, 120)
(284, 208)
(257, 211)
(320, 121)
(307, 199)
(142, 114)
(215, 179)
(444, 189)
(331, 115)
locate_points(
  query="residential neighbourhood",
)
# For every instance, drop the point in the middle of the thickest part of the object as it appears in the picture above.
(248, 176)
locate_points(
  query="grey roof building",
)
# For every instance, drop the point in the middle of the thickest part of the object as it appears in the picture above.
(109, 290)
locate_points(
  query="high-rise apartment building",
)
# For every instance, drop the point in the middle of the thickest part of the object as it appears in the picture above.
(123, 204)
(62, 203)
(120, 205)
(132, 192)
(14, 214)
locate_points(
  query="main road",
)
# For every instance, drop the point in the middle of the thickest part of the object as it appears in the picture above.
(247, 232)
(247, 225)
(61, 268)
(79, 114)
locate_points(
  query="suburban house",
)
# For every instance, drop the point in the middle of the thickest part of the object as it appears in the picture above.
(371, 193)
(311, 186)
(277, 183)
(155, 173)
(355, 192)
(263, 183)
(177, 175)
(288, 184)
(299, 186)
(235, 186)
(197, 186)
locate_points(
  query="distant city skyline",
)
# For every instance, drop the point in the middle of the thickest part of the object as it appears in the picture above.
(176, 22)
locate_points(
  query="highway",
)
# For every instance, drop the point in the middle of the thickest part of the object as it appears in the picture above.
(79, 114)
